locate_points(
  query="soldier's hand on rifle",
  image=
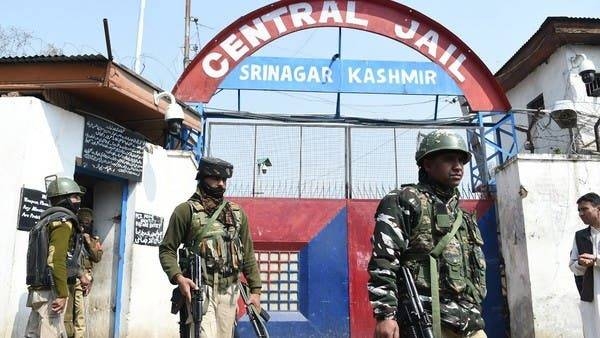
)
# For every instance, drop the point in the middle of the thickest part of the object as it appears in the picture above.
(185, 287)
(387, 328)
(255, 299)
(59, 304)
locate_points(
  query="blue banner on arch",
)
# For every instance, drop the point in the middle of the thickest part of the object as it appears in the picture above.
(344, 76)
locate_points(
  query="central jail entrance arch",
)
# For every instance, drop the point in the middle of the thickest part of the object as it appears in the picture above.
(387, 18)
(335, 231)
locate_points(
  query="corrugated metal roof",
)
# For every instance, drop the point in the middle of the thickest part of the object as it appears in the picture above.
(71, 59)
(554, 32)
(552, 19)
(53, 58)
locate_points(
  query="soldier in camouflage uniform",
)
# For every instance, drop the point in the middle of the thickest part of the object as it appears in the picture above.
(80, 287)
(225, 246)
(421, 227)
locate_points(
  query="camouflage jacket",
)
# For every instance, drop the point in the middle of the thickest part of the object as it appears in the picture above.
(408, 224)
(187, 221)
(93, 253)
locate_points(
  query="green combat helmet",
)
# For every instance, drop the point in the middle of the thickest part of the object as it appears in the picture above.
(59, 189)
(441, 140)
(62, 186)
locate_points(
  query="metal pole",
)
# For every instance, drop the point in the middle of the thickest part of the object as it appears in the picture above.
(395, 158)
(107, 38)
(300, 168)
(239, 100)
(186, 39)
(253, 164)
(338, 96)
(140, 34)
(348, 158)
(437, 102)
(483, 170)
(597, 133)
(571, 148)
(209, 139)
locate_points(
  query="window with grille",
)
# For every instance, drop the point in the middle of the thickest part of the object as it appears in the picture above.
(279, 275)
(593, 89)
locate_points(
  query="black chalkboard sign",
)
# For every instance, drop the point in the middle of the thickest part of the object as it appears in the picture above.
(148, 229)
(33, 203)
(111, 149)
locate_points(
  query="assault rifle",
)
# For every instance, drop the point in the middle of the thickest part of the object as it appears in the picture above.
(191, 263)
(195, 262)
(258, 319)
(414, 321)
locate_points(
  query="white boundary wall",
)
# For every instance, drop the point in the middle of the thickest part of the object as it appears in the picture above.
(538, 217)
(39, 139)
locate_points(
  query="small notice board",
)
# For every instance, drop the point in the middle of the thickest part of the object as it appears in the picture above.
(111, 149)
(33, 203)
(148, 229)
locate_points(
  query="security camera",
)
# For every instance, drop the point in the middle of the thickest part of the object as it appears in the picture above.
(263, 164)
(587, 71)
(174, 119)
(173, 114)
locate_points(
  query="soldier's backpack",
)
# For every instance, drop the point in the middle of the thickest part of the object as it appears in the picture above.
(38, 271)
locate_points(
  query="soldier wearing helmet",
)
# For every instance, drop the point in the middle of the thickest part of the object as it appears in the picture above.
(421, 226)
(80, 287)
(51, 242)
(218, 231)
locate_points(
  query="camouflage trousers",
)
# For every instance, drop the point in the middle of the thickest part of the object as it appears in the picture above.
(448, 333)
(43, 322)
(75, 312)
(219, 312)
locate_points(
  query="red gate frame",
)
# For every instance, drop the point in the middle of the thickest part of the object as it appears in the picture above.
(254, 30)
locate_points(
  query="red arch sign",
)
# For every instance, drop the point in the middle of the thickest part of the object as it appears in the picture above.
(249, 33)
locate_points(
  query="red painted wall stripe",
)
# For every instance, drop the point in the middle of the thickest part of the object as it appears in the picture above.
(287, 224)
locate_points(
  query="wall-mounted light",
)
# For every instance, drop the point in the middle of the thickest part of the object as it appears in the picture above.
(563, 113)
(173, 114)
(587, 69)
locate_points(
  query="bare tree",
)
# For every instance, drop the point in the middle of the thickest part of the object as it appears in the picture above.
(18, 42)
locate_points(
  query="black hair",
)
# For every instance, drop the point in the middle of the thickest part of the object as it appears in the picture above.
(590, 197)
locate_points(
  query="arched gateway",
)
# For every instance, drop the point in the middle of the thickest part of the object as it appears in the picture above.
(384, 17)
(338, 237)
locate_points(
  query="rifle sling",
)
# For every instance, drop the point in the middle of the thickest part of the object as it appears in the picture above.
(209, 223)
(433, 270)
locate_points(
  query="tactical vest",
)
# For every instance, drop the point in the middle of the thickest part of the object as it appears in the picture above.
(39, 273)
(461, 262)
(220, 247)
(75, 256)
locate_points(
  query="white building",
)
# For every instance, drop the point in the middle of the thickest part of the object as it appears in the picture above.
(537, 190)
(46, 104)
